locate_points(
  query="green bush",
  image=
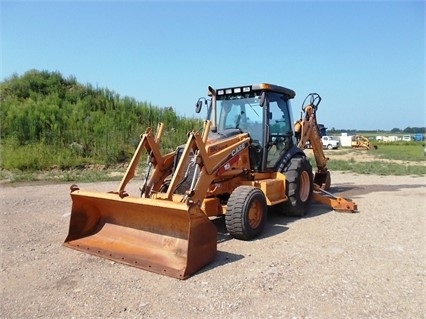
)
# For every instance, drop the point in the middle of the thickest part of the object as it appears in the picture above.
(48, 121)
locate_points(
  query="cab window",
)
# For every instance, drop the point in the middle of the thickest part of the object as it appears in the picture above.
(280, 131)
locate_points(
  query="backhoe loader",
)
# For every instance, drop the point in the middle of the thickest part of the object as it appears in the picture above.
(362, 143)
(247, 157)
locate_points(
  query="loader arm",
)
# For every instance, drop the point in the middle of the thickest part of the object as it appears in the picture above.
(208, 165)
(159, 164)
(147, 142)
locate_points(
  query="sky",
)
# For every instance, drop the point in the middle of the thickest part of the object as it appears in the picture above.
(366, 59)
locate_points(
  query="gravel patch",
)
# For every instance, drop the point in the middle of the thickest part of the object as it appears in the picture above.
(327, 265)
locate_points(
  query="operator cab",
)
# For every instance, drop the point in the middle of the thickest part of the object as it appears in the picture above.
(262, 111)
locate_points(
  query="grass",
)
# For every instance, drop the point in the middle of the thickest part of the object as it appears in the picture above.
(411, 155)
(410, 151)
(377, 167)
(41, 162)
(37, 157)
(388, 159)
(83, 175)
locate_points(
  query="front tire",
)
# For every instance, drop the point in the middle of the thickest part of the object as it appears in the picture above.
(246, 212)
(299, 186)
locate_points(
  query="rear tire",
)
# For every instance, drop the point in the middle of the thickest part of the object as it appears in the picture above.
(246, 212)
(299, 186)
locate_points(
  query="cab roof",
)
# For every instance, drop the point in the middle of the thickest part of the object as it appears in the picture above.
(255, 87)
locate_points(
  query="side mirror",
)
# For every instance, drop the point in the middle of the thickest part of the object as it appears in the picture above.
(198, 106)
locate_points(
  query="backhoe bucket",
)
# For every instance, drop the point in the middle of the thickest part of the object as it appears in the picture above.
(161, 236)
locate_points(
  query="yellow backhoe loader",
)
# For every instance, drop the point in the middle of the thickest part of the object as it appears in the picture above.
(247, 157)
(362, 143)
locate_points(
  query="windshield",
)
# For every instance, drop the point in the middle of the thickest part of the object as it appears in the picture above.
(240, 112)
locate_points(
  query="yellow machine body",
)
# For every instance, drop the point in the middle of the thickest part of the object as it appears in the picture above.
(221, 171)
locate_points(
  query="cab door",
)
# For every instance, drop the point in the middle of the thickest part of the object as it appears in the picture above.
(280, 132)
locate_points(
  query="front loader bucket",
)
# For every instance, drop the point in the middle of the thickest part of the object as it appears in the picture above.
(161, 236)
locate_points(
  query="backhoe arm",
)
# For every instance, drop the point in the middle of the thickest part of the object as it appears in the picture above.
(306, 130)
(339, 204)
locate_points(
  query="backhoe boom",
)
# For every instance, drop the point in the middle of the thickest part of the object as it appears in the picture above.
(307, 131)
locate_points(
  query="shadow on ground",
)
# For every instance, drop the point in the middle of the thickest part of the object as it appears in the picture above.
(277, 223)
(352, 190)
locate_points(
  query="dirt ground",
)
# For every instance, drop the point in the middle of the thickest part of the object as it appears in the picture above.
(370, 264)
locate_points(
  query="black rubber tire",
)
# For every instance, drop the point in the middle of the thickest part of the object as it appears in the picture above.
(246, 213)
(299, 186)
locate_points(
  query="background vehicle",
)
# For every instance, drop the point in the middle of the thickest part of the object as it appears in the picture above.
(418, 137)
(330, 142)
(247, 157)
(362, 142)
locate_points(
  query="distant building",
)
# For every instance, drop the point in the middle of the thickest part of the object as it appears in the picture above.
(345, 140)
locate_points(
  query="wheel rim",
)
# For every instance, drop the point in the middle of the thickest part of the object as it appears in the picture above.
(304, 187)
(255, 214)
